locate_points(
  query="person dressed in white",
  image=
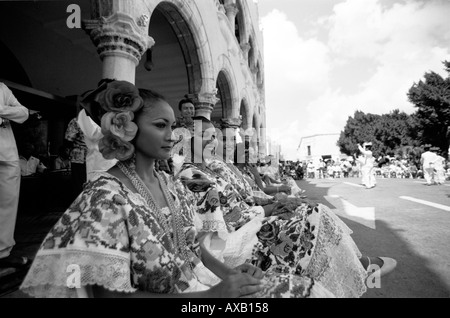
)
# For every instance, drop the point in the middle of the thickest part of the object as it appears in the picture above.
(427, 160)
(321, 169)
(10, 110)
(95, 162)
(368, 177)
(439, 164)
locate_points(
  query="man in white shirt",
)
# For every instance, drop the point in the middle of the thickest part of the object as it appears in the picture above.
(10, 110)
(427, 160)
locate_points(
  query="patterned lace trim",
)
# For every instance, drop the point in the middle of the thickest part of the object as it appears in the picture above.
(335, 259)
(52, 275)
(241, 243)
(213, 226)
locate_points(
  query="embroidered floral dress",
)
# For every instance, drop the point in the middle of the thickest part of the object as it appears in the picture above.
(75, 135)
(244, 182)
(112, 239)
(312, 242)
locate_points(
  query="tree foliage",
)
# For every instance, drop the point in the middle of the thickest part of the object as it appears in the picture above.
(389, 133)
(431, 97)
(400, 134)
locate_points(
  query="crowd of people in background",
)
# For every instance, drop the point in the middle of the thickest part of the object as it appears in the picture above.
(384, 167)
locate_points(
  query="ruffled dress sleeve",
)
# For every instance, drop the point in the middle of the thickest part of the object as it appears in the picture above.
(89, 245)
(209, 216)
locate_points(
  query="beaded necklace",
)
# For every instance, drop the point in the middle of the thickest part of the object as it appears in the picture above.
(178, 244)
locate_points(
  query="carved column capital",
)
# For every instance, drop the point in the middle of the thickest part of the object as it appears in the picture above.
(231, 122)
(119, 35)
(231, 10)
(204, 103)
(245, 47)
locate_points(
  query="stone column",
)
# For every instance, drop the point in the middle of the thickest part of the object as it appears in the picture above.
(245, 49)
(231, 12)
(262, 142)
(204, 103)
(121, 42)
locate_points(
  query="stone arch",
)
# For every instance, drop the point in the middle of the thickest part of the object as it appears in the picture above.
(255, 122)
(255, 139)
(251, 52)
(240, 24)
(186, 39)
(223, 107)
(184, 15)
(259, 74)
(245, 113)
(224, 65)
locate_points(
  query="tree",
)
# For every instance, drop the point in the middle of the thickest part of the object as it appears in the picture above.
(358, 129)
(431, 97)
(389, 133)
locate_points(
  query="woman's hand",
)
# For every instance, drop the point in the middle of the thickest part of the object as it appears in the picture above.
(285, 188)
(285, 209)
(250, 270)
(236, 285)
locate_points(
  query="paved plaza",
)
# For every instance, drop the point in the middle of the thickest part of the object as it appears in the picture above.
(399, 218)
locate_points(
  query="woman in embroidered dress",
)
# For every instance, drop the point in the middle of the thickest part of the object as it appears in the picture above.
(297, 237)
(271, 177)
(249, 171)
(130, 233)
(124, 235)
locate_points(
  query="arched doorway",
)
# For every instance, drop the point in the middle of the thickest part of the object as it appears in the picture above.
(223, 107)
(239, 26)
(244, 112)
(255, 138)
(172, 67)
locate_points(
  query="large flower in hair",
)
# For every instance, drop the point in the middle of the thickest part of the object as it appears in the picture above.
(120, 96)
(120, 125)
(112, 146)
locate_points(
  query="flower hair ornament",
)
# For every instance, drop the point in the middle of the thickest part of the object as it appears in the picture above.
(112, 106)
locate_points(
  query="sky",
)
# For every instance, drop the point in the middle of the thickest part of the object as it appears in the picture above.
(325, 59)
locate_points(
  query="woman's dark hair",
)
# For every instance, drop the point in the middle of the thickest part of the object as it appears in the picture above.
(185, 101)
(150, 95)
(149, 98)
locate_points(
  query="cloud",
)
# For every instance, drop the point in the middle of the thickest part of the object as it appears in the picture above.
(296, 71)
(371, 56)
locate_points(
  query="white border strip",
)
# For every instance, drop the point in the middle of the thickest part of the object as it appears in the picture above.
(434, 205)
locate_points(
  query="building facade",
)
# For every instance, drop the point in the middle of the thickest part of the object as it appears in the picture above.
(209, 50)
(321, 146)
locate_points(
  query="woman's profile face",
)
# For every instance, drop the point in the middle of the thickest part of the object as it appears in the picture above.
(155, 137)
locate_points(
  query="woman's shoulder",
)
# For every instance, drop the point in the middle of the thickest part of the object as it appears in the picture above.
(108, 182)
